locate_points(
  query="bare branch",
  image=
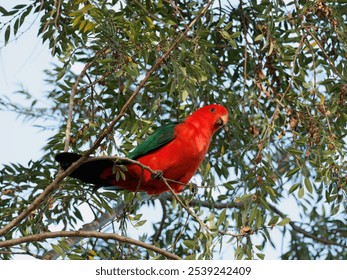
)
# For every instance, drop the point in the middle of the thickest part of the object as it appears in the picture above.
(87, 234)
(96, 224)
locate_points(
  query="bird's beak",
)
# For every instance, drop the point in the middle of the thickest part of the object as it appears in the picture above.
(222, 120)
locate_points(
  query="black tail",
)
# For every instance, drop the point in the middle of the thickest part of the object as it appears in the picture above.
(89, 171)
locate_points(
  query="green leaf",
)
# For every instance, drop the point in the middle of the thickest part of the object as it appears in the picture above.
(75, 257)
(284, 222)
(290, 173)
(228, 26)
(189, 243)
(140, 223)
(273, 221)
(233, 43)
(191, 257)
(270, 49)
(184, 94)
(82, 25)
(225, 34)
(7, 34)
(264, 203)
(308, 184)
(295, 151)
(294, 187)
(16, 27)
(57, 249)
(76, 21)
(238, 253)
(301, 192)
(89, 27)
(307, 86)
(259, 220)
(3, 11)
(64, 245)
(258, 37)
(18, 7)
(221, 21)
(235, 35)
(270, 191)
(222, 217)
(253, 215)
(135, 218)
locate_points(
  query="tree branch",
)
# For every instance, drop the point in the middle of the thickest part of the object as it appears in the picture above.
(275, 210)
(87, 234)
(96, 224)
(304, 232)
(108, 217)
(165, 181)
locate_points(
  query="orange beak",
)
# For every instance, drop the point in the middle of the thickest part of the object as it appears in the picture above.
(224, 119)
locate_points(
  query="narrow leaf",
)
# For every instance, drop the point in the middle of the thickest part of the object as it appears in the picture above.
(7, 34)
(258, 37)
(140, 223)
(294, 187)
(3, 11)
(290, 173)
(189, 243)
(308, 184)
(260, 256)
(220, 22)
(273, 221)
(57, 249)
(284, 222)
(222, 217)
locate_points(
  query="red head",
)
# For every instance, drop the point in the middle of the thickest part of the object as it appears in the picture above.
(211, 116)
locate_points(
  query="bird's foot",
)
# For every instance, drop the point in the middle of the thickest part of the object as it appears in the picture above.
(157, 175)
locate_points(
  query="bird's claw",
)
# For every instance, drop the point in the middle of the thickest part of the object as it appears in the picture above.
(157, 175)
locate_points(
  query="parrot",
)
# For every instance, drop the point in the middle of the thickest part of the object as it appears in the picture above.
(174, 151)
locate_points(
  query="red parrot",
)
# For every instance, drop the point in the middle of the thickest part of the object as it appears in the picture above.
(175, 150)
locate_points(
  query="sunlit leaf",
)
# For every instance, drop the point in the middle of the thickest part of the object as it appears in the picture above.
(283, 222)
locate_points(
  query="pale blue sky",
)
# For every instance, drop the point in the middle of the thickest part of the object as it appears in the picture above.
(22, 63)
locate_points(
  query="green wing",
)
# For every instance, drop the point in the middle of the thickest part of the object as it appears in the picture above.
(160, 137)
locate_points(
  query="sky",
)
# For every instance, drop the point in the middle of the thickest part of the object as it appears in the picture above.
(22, 62)
(22, 65)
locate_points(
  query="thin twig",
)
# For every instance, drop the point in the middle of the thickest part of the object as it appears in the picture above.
(72, 101)
(97, 81)
(162, 222)
(323, 50)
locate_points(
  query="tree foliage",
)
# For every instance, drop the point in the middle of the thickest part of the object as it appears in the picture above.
(126, 67)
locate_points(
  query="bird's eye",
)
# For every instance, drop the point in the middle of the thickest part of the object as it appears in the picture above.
(213, 110)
